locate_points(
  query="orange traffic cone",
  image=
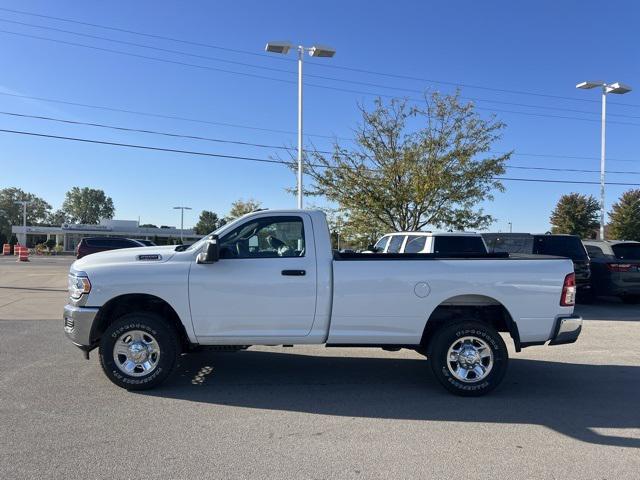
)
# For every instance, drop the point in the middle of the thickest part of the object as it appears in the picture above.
(23, 254)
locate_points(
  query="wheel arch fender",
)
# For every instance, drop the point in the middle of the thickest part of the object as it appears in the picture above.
(120, 305)
(480, 307)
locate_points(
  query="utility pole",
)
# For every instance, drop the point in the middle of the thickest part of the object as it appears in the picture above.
(182, 209)
(24, 204)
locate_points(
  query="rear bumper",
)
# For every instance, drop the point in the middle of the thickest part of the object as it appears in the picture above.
(567, 330)
(78, 322)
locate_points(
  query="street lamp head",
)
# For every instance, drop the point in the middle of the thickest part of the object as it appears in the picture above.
(321, 51)
(278, 47)
(618, 88)
(590, 84)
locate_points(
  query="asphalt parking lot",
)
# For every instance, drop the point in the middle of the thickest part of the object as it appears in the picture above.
(310, 412)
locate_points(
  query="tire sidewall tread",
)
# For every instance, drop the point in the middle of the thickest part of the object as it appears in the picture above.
(164, 334)
(444, 339)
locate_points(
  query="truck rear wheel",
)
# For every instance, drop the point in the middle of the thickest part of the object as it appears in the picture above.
(138, 351)
(469, 358)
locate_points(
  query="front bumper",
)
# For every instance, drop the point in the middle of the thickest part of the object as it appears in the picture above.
(78, 322)
(567, 330)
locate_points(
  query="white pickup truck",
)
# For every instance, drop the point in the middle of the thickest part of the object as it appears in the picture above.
(271, 278)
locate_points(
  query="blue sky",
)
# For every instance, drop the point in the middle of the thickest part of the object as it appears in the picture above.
(543, 47)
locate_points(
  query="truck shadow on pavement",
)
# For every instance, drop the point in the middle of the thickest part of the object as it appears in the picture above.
(577, 400)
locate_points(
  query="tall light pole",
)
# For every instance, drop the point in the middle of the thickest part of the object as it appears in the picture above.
(619, 89)
(315, 51)
(182, 209)
(24, 204)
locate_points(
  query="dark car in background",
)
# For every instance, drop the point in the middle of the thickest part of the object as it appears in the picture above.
(615, 268)
(89, 245)
(569, 246)
(146, 243)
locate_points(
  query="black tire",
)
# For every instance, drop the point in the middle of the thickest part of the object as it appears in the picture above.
(155, 327)
(447, 337)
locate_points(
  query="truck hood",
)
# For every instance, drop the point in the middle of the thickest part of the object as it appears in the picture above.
(127, 255)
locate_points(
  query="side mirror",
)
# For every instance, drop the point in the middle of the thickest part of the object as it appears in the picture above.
(211, 253)
(372, 248)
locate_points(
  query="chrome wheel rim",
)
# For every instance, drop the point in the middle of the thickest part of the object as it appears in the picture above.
(136, 353)
(469, 359)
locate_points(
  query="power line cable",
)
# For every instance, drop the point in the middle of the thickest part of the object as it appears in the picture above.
(164, 116)
(254, 159)
(151, 132)
(271, 130)
(291, 72)
(259, 145)
(323, 65)
(264, 77)
(149, 35)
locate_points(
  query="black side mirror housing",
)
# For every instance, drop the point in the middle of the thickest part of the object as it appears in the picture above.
(211, 253)
(372, 248)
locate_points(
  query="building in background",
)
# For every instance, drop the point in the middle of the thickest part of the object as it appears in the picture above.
(69, 235)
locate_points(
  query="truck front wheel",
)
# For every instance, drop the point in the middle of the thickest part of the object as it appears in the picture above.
(469, 358)
(138, 351)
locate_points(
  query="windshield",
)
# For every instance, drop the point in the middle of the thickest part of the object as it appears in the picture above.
(627, 251)
(509, 242)
(560, 245)
(197, 245)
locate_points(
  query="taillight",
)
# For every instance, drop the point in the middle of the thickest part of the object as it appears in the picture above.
(568, 298)
(618, 267)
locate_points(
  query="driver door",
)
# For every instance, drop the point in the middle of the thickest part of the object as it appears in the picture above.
(264, 284)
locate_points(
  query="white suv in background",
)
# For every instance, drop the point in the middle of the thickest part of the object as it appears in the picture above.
(429, 242)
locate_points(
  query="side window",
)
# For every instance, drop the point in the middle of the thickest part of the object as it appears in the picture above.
(594, 252)
(459, 244)
(379, 246)
(269, 237)
(99, 243)
(121, 243)
(395, 243)
(415, 244)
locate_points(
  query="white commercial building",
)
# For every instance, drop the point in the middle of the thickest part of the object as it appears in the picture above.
(69, 234)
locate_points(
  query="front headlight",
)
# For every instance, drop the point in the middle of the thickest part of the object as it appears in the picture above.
(78, 285)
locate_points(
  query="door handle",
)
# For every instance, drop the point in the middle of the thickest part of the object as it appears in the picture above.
(294, 273)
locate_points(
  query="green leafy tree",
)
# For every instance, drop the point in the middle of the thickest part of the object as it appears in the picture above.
(413, 166)
(625, 216)
(57, 218)
(242, 207)
(349, 230)
(148, 225)
(87, 205)
(575, 214)
(208, 222)
(11, 213)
